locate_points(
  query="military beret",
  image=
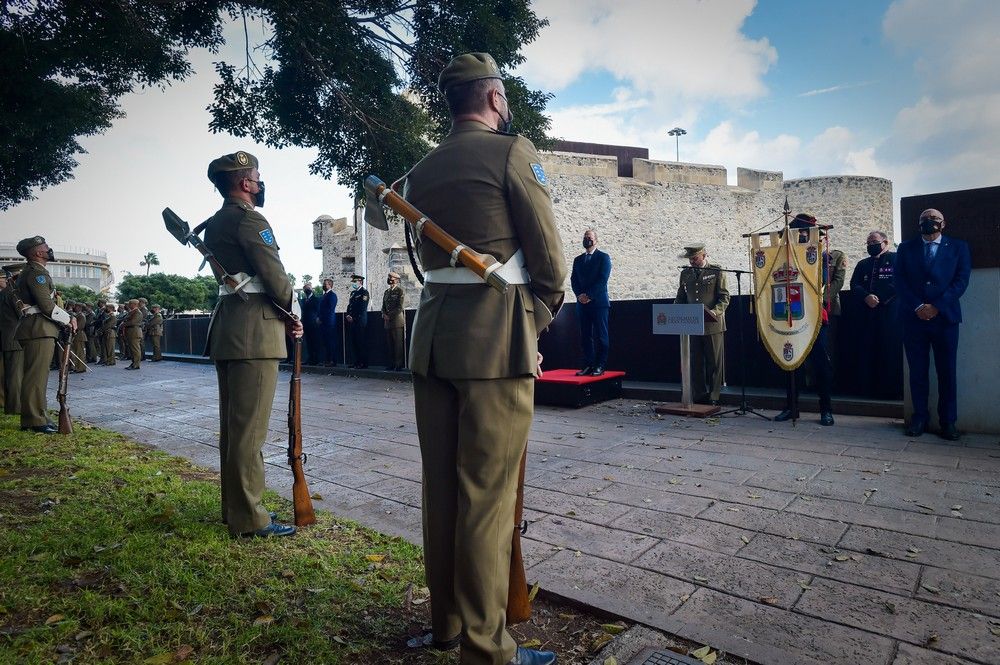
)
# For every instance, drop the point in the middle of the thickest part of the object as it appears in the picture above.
(802, 220)
(468, 67)
(234, 162)
(154, 306)
(931, 213)
(29, 244)
(394, 275)
(359, 277)
(692, 250)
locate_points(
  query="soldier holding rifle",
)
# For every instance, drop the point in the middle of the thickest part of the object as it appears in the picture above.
(474, 355)
(246, 339)
(42, 322)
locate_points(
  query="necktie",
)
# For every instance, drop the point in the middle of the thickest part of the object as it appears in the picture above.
(929, 248)
(587, 259)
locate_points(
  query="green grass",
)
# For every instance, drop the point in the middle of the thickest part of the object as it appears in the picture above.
(111, 552)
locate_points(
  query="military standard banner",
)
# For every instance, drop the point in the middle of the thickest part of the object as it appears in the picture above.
(788, 288)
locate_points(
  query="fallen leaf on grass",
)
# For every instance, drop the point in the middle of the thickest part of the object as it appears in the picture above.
(55, 618)
(769, 600)
(160, 659)
(82, 635)
(931, 639)
(183, 653)
(890, 607)
(746, 541)
(263, 620)
(339, 640)
(700, 652)
(272, 659)
(710, 658)
(699, 578)
(317, 496)
(375, 558)
(612, 628)
(685, 598)
(600, 641)
(288, 574)
(610, 660)
(533, 643)
(841, 557)
(534, 591)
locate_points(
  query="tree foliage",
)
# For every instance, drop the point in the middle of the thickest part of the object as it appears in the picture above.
(64, 64)
(77, 293)
(354, 79)
(172, 292)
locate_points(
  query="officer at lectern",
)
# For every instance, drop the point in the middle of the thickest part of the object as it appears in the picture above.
(704, 283)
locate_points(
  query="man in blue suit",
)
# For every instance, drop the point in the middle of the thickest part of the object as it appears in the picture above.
(589, 280)
(932, 273)
(328, 323)
(309, 304)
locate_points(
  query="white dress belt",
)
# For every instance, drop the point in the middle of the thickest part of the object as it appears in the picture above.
(247, 284)
(514, 271)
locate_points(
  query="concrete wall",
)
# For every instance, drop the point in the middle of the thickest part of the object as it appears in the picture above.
(978, 360)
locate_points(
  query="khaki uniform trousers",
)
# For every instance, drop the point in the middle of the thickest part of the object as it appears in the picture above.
(154, 340)
(37, 358)
(246, 394)
(10, 386)
(109, 349)
(707, 366)
(79, 348)
(396, 338)
(135, 350)
(472, 434)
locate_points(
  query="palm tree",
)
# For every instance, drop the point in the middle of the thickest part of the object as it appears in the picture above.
(149, 260)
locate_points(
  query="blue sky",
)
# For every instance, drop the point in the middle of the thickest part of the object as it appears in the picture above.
(903, 89)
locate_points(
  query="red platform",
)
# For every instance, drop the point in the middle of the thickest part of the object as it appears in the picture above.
(562, 387)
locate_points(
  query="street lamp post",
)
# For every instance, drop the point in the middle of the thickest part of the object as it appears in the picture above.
(677, 133)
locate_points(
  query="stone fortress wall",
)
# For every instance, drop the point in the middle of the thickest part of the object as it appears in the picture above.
(644, 221)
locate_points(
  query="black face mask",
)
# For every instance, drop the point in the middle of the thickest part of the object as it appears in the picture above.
(929, 226)
(51, 256)
(308, 292)
(588, 243)
(258, 198)
(874, 249)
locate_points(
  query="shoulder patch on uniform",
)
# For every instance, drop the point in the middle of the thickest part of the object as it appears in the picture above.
(40, 279)
(539, 174)
(267, 235)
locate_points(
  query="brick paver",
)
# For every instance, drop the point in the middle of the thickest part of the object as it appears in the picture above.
(849, 544)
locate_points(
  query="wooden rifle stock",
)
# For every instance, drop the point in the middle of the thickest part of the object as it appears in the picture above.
(483, 265)
(65, 422)
(304, 514)
(518, 601)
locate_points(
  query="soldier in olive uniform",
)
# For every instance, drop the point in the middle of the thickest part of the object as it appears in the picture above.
(357, 319)
(144, 311)
(133, 333)
(395, 321)
(79, 346)
(37, 332)
(109, 327)
(474, 355)
(704, 283)
(11, 355)
(154, 329)
(246, 340)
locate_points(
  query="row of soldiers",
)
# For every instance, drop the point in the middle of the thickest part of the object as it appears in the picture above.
(33, 316)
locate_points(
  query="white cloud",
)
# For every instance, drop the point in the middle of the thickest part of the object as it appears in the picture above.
(690, 50)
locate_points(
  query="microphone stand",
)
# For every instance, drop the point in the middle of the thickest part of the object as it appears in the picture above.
(744, 407)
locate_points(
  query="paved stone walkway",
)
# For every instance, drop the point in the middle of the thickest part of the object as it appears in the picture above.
(849, 544)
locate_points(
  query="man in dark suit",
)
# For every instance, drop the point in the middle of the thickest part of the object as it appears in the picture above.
(589, 280)
(873, 284)
(932, 273)
(328, 323)
(309, 304)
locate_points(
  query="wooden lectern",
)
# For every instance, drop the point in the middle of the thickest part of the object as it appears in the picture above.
(684, 320)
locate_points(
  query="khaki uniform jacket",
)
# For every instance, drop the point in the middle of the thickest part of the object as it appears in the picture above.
(243, 241)
(155, 327)
(9, 318)
(133, 324)
(34, 288)
(81, 327)
(392, 306)
(839, 263)
(108, 325)
(707, 287)
(488, 190)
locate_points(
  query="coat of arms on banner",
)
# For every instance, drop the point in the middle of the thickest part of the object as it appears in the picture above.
(787, 293)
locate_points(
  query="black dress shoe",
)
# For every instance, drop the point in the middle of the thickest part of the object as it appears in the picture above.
(533, 657)
(785, 415)
(915, 428)
(598, 371)
(272, 530)
(826, 418)
(48, 428)
(585, 371)
(949, 432)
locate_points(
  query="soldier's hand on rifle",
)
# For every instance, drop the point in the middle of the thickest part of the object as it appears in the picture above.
(72, 324)
(294, 329)
(538, 361)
